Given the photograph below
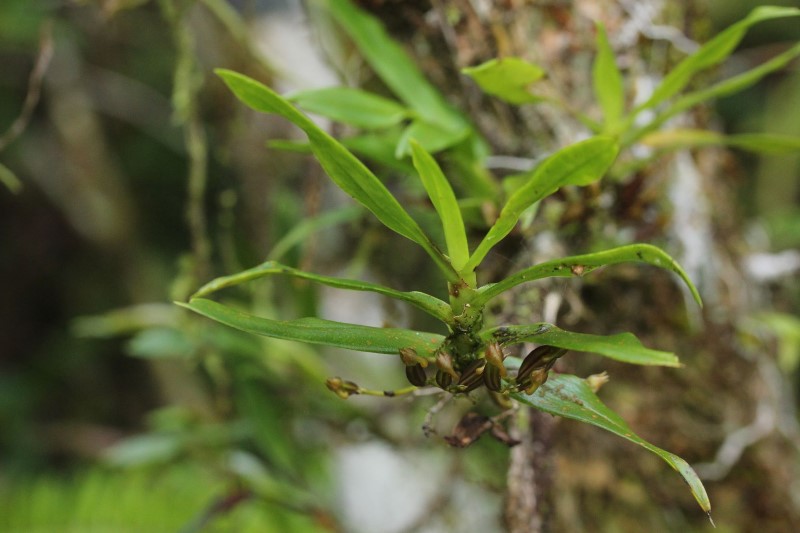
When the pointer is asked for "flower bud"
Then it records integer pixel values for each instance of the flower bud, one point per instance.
(444, 361)
(539, 358)
(533, 381)
(410, 358)
(416, 375)
(595, 381)
(494, 356)
(491, 378)
(471, 377)
(443, 379)
(343, 389)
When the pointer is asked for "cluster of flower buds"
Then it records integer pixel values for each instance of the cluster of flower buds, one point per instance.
(488, 370)
(534, 368)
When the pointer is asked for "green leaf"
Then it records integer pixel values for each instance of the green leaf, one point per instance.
(570, 397)
(623, 347)
(724, 88)
(426, 302)
(507, 78)
(394, 66)
(445, 203)
(607, 82)
(765, 143)
(713, 52)
(579, 265)
(350, 174)
(430, 136)
(308, 226)
(319, 331)
(156, 343)
(380, 147)
(9, 179)
(579, 164)
(351, 106)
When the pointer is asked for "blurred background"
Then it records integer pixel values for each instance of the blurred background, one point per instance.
(130, 176)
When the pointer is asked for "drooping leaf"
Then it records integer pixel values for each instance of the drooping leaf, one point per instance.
(394, 66)
(571, 397)
(624, 347)
(579, 265)
(350, 174)
(445, 203)
(507, 78)
(579, 164)
(426, 302)
(320, 331)
(430, 136)
(765, 143)
(724, 88)
(351, 106)
(713, 52)
(607, 80)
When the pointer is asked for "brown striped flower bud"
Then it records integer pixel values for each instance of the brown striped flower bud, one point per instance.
(471, 377)
(443, 379)
(491, 378)
(539, 358)
(416, 375)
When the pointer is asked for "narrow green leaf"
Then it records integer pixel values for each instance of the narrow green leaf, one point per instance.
(394, 66)
(430, 136)
(426, 302)
(445, 203)
(309, 226)
(351, 106)
(570, 397)
(289, 145)
(380, 147)
(765, 143)
(713, 52)
(319, 331)
(350, 174)
(607, 82)
(507, 78)
(580, 265)
(624, 347)
(377, 146)
(579, 164)
(9, 179)
(724, 88)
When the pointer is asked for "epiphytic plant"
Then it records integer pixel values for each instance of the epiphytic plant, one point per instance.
(471, 354)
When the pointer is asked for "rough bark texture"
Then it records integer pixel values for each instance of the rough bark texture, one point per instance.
(602, 483)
